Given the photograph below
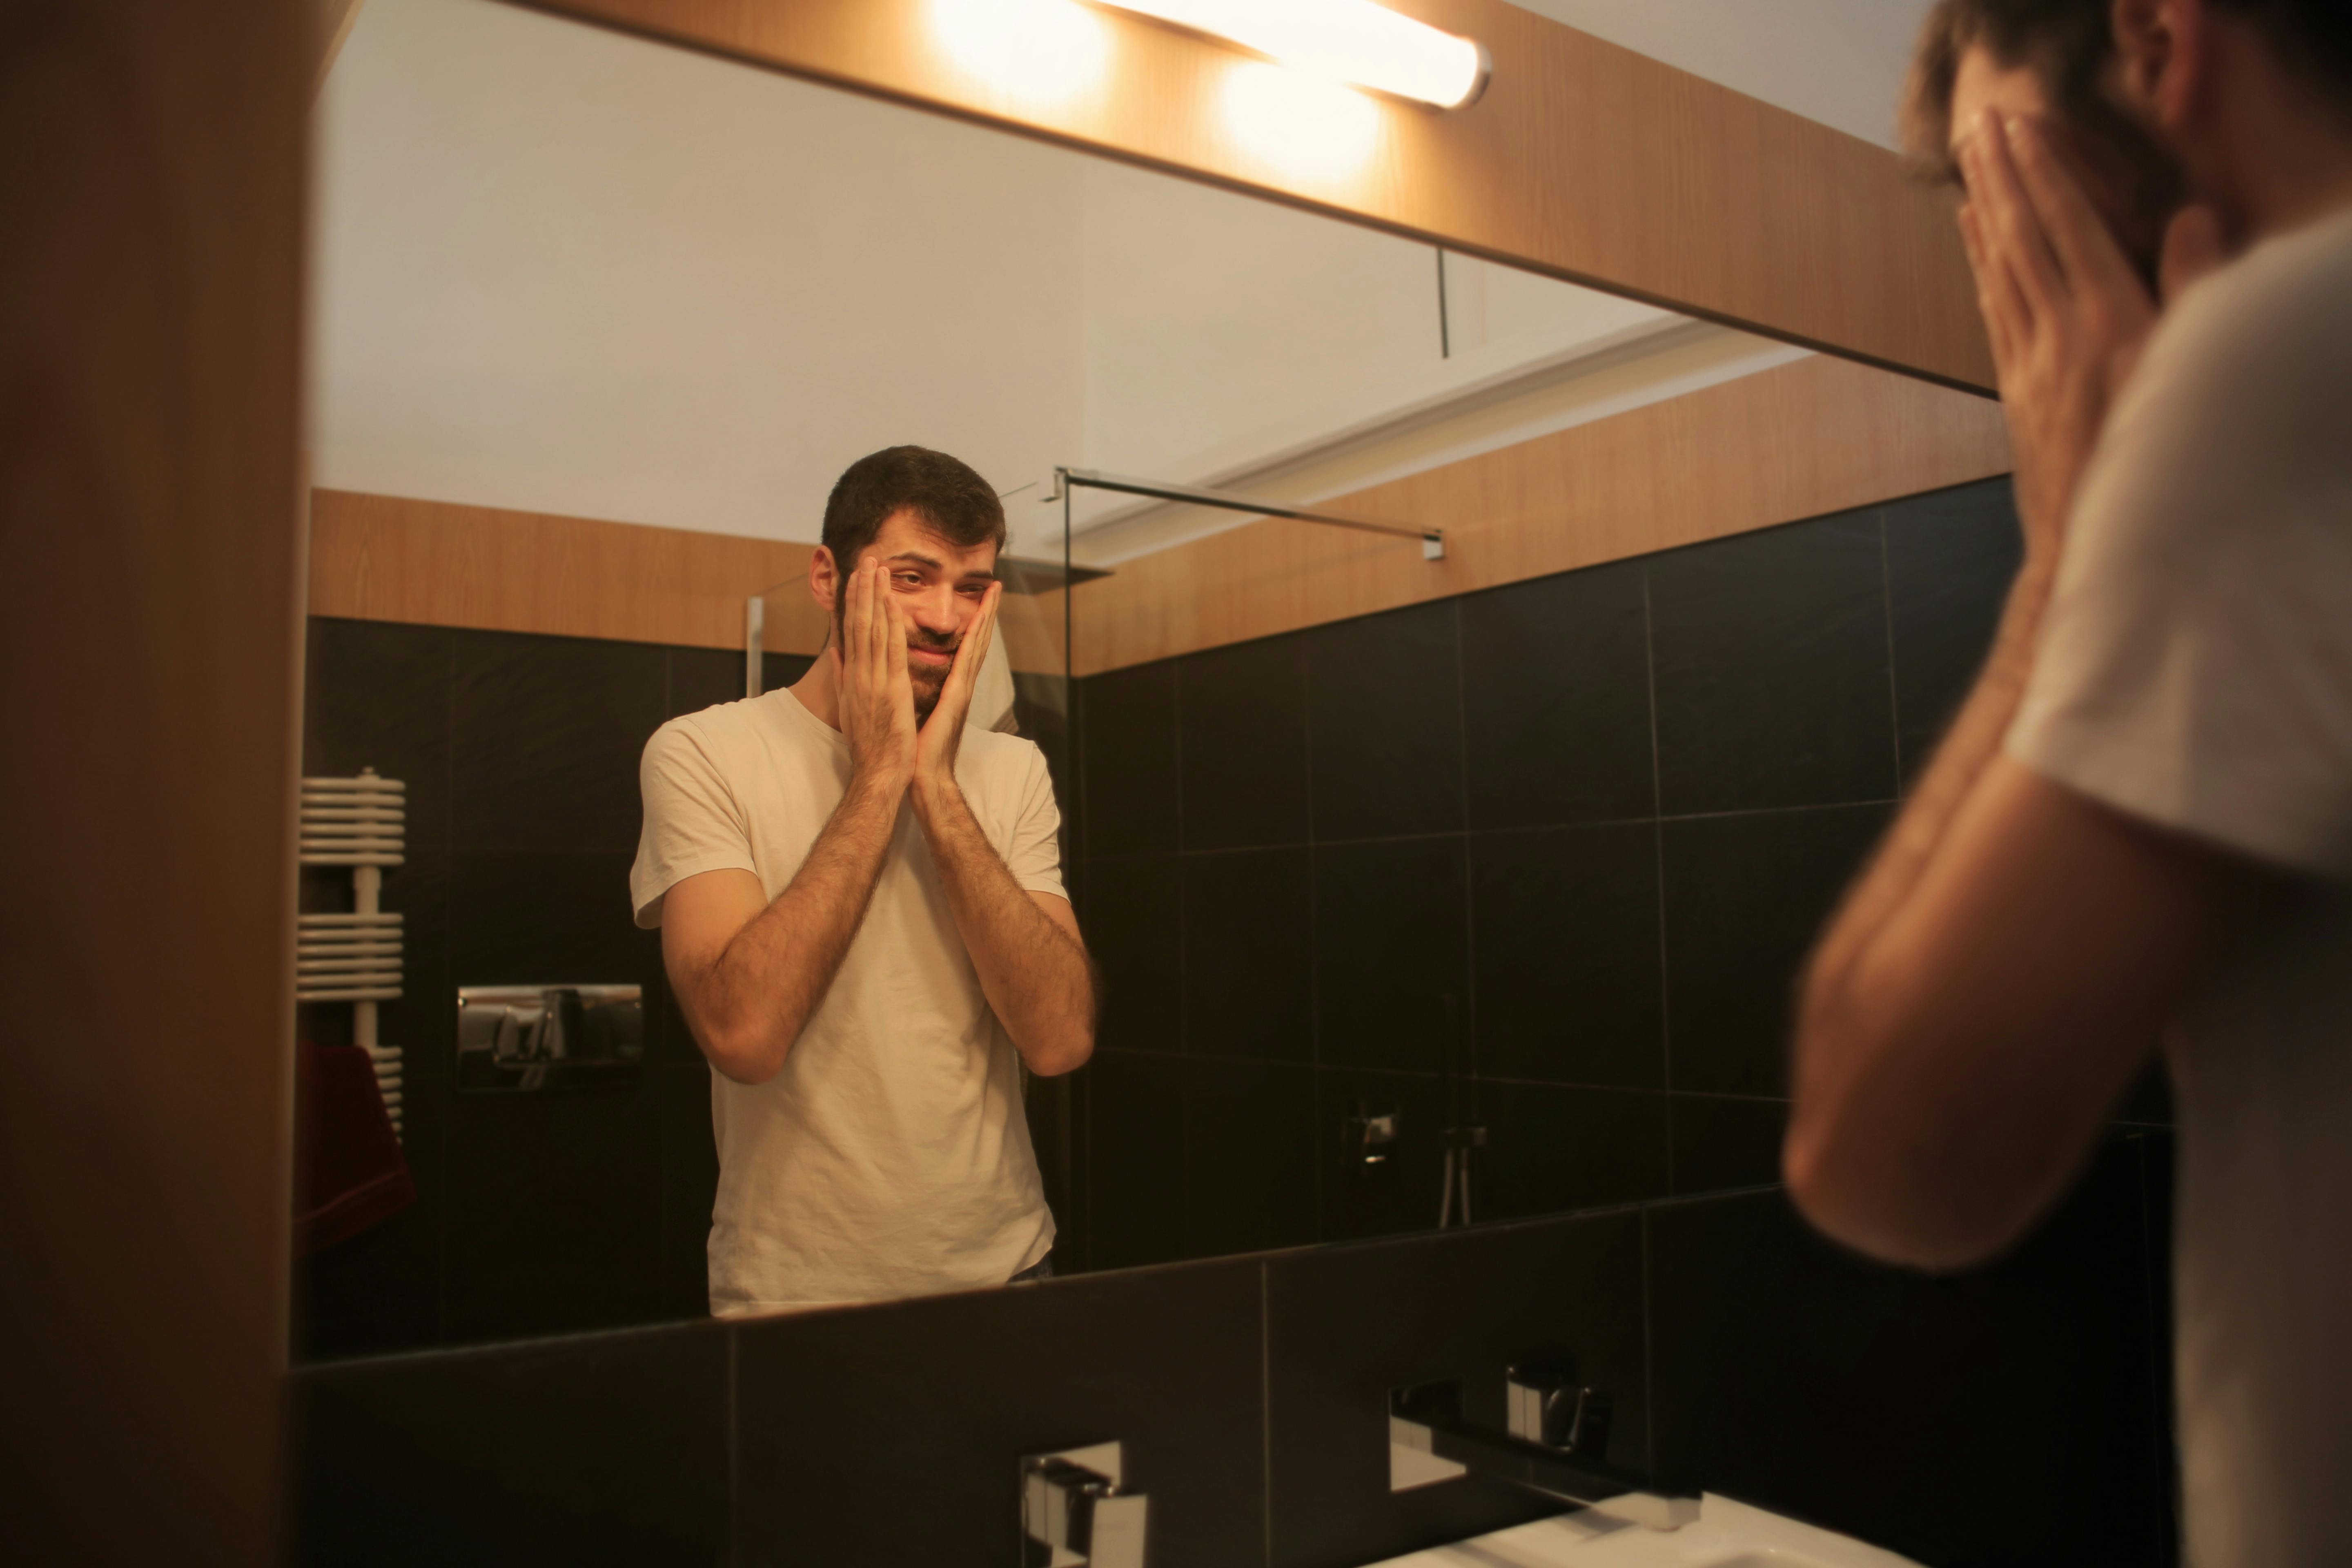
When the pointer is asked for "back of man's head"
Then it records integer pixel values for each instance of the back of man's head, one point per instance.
(2069, 45)
(952, 500)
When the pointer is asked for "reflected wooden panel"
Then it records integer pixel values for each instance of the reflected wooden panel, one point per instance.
(1818, 436)
(395, 558)
(1583, 160)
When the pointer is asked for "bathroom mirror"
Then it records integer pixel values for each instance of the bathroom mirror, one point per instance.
(1422, 890)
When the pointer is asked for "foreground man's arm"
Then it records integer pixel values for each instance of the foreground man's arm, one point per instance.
(1031, 963)
(2003, 967)
(748, 972)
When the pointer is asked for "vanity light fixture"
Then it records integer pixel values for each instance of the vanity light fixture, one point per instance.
(1354, 41)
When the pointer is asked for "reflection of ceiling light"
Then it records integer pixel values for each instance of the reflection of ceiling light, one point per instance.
(1352, 41)
(1037, 51)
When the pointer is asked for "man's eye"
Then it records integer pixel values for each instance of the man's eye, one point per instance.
(908, 580)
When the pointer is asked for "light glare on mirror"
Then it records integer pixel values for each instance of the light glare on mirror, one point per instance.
(1307, 126)
(1038, 51)
(1353, 41)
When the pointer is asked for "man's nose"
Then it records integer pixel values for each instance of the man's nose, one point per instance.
(937, 611)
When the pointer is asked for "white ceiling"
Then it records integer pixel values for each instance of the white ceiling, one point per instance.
(1837, 61)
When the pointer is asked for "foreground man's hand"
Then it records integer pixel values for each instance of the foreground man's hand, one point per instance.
(2067, 315)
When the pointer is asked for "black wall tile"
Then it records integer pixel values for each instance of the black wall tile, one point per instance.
(689, 1187)
(1391, 960)
(1133, 918)
(1128, 738)
(1249, 1157)
(1384, 704)
(1135, 1117)
(604, 1450)
(1249, 954)
(546, 733)
(1550, 1149)
(378, 695)
(703, 678)
(1745, 897)
(1556, 699)
(555, 1223)
(1344, 1325)
(540, 916)
(1722, 1143)
(1244, 744)
(381, 1290)
(1565, 924)
(1892, 1405)
(894, 1435)
(1398, 1194)
(1950, 557)
(1772, 667)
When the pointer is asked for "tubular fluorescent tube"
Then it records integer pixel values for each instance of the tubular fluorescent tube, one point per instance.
(1353, 40)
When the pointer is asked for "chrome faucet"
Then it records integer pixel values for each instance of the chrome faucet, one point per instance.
(1557, 1443)
(1073, 1512)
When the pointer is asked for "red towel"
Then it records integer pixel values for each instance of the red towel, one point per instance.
(348, 1173)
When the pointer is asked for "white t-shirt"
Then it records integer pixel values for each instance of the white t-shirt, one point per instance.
(2195, 671)
(890, 1156)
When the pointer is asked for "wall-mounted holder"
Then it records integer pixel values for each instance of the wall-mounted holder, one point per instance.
(1557, 1443)
(1073, 1512)
(517, 1039)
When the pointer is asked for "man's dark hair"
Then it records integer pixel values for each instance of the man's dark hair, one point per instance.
(952, 500)
(2069, 45)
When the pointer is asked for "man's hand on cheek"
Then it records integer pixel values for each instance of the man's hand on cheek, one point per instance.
(877, 702)
(2066, 314)
(942, 733)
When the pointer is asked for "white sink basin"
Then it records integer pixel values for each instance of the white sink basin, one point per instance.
(1727, 1535)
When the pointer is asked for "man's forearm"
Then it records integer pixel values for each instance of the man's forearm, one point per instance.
(770, 979)
(1910, 846)
(1035, 975)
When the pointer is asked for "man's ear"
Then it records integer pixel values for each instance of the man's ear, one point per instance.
(2160, 51)
(824, 580)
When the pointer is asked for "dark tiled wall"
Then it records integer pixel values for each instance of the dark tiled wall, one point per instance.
(541, 1213)
(1576, 833)
(2010, 1416)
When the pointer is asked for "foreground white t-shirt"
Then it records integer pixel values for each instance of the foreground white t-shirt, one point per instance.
(890, 1156)
(2196, 670)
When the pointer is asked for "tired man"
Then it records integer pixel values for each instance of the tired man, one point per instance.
(861, 916)
(2139, 827)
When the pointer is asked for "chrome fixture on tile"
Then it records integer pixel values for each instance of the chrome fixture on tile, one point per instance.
(516, 1039)
(1073, 1512)
(1372, 1136)
(1555, 1444)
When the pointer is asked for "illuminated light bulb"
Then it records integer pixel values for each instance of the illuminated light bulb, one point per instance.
(1308, 128)
(1039, 51)
(1354, 41)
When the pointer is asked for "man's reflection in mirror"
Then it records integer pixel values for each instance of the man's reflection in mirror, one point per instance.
(862, 915)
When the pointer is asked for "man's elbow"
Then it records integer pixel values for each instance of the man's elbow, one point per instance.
(1066, 1054)
(740, 1055)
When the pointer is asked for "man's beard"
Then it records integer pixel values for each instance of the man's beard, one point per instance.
(927, 681)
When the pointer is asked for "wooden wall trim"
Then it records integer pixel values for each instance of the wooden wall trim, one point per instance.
(1816, 436)
(1583, 160)
(395, 558)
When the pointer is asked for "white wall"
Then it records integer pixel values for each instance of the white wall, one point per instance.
(564, 270)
